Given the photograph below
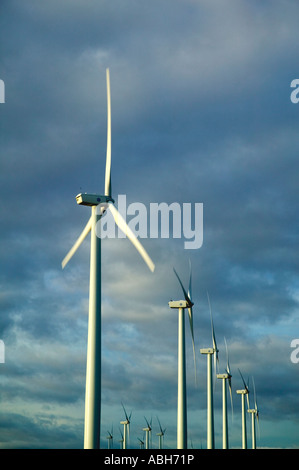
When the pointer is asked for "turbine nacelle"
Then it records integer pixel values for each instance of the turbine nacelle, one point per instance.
(223, 376)
(207, 351)
(242, 392)
(180, 304)
(85, 199)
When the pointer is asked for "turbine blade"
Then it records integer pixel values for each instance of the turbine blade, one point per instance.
(192, 335)
(229, 379)
(245, 387)
(159, 424)
(108, 152)
(183, 289)
(131, 236)
(190, 282)
(254, 394)
(242, 379)
(216, 358)
(147, 422)
(227, 358)
(75, 247)
(127, 418)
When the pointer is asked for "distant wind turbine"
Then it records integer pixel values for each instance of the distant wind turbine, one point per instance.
(181, 305)
(160, 434)
(226, 377)
(210, 408)
(254, 416)
(121, 441)
(98, 204)
(148, 434)
(126, 424)
(141, 443)
(110, 438)
(243, 392)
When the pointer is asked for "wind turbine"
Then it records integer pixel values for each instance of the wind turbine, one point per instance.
(243, 392)
(141, 443)
(148, 433)
(181, 305)
(126, 424)
(226, 377)
(160, 434)
(110, 438)
(98, 204)
(121, 441)
(254, 416)
(210, 408)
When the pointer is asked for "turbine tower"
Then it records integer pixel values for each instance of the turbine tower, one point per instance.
(148, 434)
(181, 305)
(160, 434)
(126, 424)
(226, 377)
(98, 204)
(254, 416)
(243, 392)
(210, 408)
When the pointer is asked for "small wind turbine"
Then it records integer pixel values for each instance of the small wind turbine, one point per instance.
(226, 377)
(110, 438)
(98, 204)
(121, 441)
(254, 416)
(141, 443)
(181, 305)
(160, 434)
(148, 433)
(210, 408)
(126, 424)
(243, 392)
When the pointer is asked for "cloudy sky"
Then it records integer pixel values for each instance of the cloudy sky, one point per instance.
(201, 113)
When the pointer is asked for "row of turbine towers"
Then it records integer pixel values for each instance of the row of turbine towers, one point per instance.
(145, 442)
(99, 204)
(187, 304)
(225, 377)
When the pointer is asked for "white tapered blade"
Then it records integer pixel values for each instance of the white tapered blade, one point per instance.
(108, 153)
(192, 335)
(183, 289)
(131, 236)
(77, 244)
(190, 282)
(216, 358)
(229, 380)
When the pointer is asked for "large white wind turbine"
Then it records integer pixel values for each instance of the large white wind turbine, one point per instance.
(226, 377)
(181, 305)
(210, 408)
(98, 204)
(244, 391)
(254, 416)
(126, 424)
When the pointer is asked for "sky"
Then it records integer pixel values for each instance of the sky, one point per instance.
(201, 113)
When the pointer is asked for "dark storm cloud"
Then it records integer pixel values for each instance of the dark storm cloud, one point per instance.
(201, 112)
